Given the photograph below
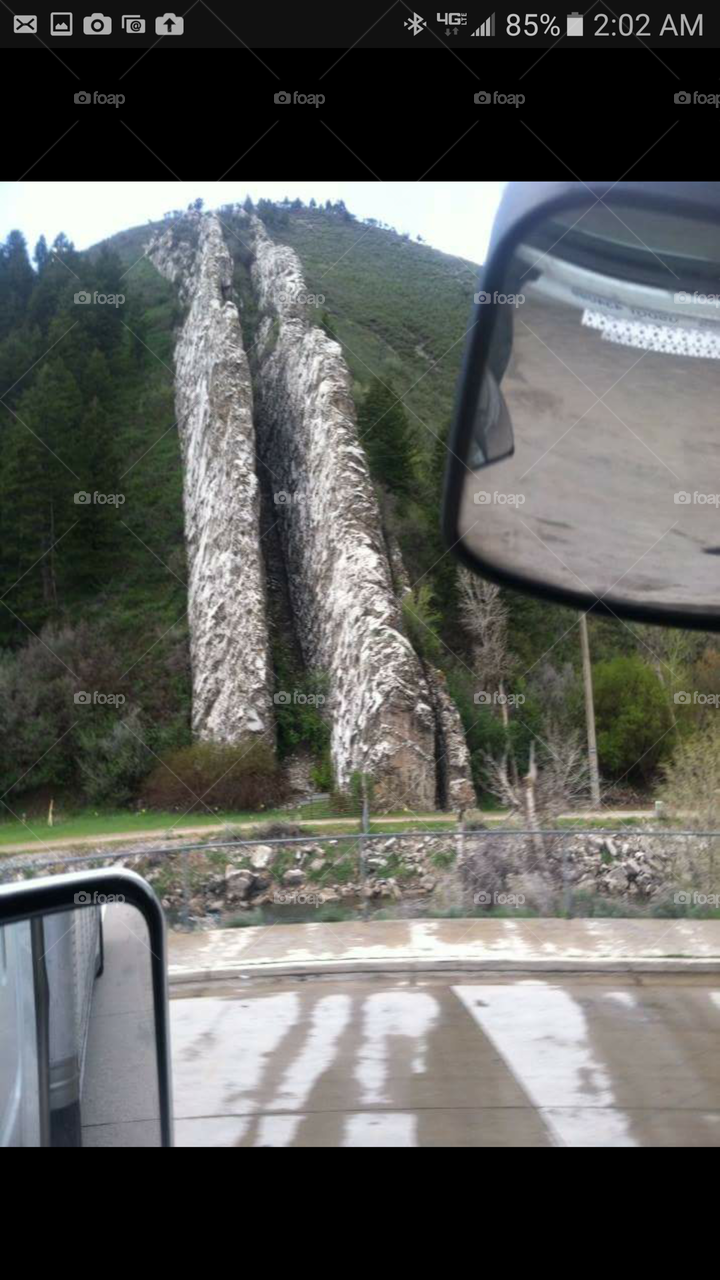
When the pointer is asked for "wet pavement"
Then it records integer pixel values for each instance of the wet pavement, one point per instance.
(416, 945)
(448, 1060)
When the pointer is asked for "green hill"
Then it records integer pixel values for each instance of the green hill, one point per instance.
(94, 596)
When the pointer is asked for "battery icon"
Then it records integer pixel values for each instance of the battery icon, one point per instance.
(574, 24)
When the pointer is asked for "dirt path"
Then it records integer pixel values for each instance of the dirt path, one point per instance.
(50, 844)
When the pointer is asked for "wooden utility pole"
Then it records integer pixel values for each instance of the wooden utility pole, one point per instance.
(589, 712)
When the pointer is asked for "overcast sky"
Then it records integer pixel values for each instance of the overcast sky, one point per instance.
(453, 216)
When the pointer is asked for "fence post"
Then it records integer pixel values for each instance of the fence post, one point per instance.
(567, 891)
(186, 891)
(460, 839)
(364, 830)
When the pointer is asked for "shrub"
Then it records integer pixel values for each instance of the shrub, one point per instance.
(421, 621)
(301, 724)
(36, 716)
(322, 774)
(208, 775)
(342, 804)
(632, 718)
(113, 761)
(692, 778)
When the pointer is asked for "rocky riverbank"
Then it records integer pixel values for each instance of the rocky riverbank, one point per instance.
(413, 874)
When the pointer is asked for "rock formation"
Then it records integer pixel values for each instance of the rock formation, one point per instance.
(213, 396)
(390, 715)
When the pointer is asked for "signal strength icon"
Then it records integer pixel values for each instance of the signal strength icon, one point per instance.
(487, 28)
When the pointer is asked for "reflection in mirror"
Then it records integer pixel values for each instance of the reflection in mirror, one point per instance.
(600, 410)
(78, 1062)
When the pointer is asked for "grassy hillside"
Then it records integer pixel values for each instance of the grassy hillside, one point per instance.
(97, 597)
(400, 308)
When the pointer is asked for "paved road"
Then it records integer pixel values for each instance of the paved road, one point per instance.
(120, 1105)
(609, 1061)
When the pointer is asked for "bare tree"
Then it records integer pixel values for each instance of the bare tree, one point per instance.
(545, 790)
(672, 651)
(484, 615)
(530, 865)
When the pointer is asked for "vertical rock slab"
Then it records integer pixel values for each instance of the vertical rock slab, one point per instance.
(231, 669)
(455, 788)
(346, 612)
(453, 757)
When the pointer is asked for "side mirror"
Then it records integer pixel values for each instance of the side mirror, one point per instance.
(84, 1045)
(585, 452)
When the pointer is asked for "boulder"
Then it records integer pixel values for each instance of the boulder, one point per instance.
(238, 884)
(262, 857)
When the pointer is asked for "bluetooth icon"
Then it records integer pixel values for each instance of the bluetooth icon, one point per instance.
(415, 24)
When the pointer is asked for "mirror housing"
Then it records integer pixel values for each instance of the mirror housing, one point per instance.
(58, 956)
(645, 558)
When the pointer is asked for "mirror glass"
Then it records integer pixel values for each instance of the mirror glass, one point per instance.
(595, 458)
(78, 1060)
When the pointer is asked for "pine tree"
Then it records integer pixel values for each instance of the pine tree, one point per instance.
(387, 438)
(42, 454)
(16, 281)
(41, 255)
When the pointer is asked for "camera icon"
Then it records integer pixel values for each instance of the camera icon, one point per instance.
(482, 899)
(681, 497)
(82, 899)
(97, 25)
(133, 23)
(481, 498)
(682, 97)
(682, 697)
(83, 296)
(483, 96)
(482, 699)
(483, 297)
(282, 698)
(283, 97)
(282, 497)
(81, 498)
(82, 698)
